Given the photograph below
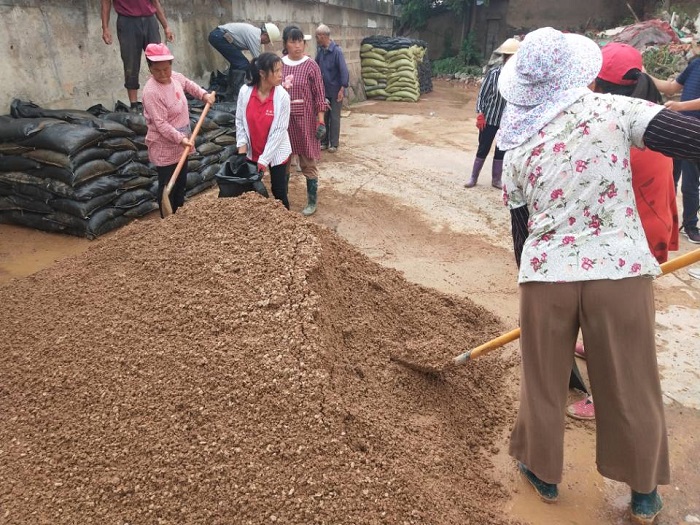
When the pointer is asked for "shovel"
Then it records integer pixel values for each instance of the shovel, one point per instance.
(667, 267)
(165, 206)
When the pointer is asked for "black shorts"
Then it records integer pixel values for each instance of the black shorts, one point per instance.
(134, 34)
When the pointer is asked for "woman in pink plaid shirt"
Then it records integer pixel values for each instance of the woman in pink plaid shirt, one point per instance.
(168, 119)
(308, 108)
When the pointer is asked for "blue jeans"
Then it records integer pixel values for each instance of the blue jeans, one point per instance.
(690, 188)
(230, 52)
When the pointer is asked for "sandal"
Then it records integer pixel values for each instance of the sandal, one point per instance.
(583, 409)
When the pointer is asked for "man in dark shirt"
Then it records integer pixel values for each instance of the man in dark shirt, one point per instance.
(688, 85)
(136, 28)
(334, 71)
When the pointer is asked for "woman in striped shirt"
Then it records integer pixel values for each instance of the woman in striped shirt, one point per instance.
(489, 108)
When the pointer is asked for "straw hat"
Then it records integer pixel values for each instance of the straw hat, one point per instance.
(509, 47)
(548, 63)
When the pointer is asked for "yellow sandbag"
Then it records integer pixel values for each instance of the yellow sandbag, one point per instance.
(369, 81)
(375, 56)
(377, 93)
(371, 62)
(403, 96)
(373, 75)
(394, 52)
(404, 62)
(366, 47)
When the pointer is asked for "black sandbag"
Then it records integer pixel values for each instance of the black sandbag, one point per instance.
(133, 121)
(26, 190)
(12, 148)
(118, 144)
(90, 189)
(17, 163)
(21, 177)
(17, 129)
(38, 221)
(83, 209)
(200, 188)
(89, 154)
(132, 198)
(98, 110)
(227, 153)
(237, 176)
(228, 107)
(65, 138)
(225, 140)
(107, 226)
(47, 171)
(142, 156)
(208, 161)
(20, 108)
(139, 142)
(207, 125)
(17, 202)
(91, 170)
(136, 168)
(112, 128)
(210, 172)
(142, 209)
(50, 157)
(193, 179)
(137, 182)
(121, 158)
(194, 164)
(222, 118)
(211, 135)
(209, 148)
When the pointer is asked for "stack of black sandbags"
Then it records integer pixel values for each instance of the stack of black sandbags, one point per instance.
(87, 172)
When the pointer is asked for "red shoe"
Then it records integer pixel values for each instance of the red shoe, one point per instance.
(584, 409)
(580, 351)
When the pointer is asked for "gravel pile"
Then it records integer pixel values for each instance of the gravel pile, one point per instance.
(231, 365)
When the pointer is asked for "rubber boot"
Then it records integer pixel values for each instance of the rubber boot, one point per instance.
(496, 172)
(476, 169)
(312, 194)
(235, 80)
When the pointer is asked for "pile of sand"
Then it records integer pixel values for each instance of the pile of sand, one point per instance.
(231, 365)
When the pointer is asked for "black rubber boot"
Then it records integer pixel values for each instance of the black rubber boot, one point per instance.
(312, 194)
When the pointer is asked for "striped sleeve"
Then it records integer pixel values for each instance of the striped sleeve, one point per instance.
(518, 223)
(674, 134)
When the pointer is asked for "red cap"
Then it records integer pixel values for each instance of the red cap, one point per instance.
(158, 53)
(618, 60)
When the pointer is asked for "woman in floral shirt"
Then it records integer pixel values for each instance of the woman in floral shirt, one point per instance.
(585, 261)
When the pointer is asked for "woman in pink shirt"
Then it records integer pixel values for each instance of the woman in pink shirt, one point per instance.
(168, 119)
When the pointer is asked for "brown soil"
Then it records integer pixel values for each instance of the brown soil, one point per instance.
(232, 364)
(394, 192)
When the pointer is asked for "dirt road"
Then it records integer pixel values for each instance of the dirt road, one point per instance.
(394, 190)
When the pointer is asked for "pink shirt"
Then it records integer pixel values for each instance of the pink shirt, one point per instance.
(168, 117)
(134, 7)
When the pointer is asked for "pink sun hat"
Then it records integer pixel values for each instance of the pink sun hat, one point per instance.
(547, 63)
(158, 53)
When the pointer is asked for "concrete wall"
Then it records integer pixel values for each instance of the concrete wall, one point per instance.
(52, 52)
(574, 15)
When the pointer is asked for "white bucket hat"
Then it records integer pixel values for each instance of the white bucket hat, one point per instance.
(548, 63)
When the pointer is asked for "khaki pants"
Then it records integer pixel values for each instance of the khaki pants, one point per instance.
(617, 321)
(309, 167)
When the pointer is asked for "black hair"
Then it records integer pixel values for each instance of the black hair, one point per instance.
(265, 62)
(293, 33)
(643, 88)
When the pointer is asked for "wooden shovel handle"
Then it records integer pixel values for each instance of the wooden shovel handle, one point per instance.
(186, 153)
(668, 267)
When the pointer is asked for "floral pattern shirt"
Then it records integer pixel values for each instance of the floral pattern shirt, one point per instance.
(575, 178)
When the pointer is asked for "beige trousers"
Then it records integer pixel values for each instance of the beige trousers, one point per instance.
(617, 321)
(309, 167)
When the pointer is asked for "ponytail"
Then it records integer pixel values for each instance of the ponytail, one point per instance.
(265, 62)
